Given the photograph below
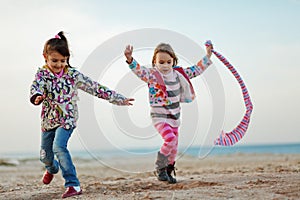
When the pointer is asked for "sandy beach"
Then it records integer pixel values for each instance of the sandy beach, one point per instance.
(238, 176)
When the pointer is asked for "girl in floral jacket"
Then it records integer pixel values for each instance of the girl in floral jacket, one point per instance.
(169, 85)
(55, 86)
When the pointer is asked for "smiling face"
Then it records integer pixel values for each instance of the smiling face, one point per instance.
(164, 62)
(56, 62)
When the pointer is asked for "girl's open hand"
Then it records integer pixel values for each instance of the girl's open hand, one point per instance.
(128, 53)
(127, 102)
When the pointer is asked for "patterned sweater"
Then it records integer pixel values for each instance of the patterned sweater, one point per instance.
(165, 97)
(59, 108)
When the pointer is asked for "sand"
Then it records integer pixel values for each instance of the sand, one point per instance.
(237, 176)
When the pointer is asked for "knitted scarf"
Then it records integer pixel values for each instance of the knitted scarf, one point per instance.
(230, 138)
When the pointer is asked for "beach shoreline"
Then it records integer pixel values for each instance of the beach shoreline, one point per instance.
(235, 176)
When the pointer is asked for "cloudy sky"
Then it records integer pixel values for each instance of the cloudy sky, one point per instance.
(261, 38)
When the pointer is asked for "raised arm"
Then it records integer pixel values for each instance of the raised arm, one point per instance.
(201, 66)
(142, 72)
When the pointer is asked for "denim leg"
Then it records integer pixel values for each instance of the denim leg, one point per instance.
(46, 152)
(64, 158)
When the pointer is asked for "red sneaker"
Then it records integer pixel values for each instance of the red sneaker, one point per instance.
(71, 192)
(47, 178)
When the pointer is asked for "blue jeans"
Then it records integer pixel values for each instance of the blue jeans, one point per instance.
(54, 142)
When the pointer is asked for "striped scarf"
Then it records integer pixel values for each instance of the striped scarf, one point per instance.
(230, 138)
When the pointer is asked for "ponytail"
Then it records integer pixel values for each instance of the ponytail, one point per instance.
(60, 44)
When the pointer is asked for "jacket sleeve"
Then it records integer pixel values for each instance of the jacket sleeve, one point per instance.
(141, 71)
(96, 89)
(37, 87)
(199, 68)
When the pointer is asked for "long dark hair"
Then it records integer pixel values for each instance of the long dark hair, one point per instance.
(59, 44)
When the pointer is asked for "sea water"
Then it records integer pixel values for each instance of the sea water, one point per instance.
(196, 151)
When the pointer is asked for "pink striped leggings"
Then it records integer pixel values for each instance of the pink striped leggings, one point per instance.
(170, 136)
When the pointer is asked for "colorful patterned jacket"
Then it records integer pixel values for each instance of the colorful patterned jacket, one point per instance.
(157, 90)
(59, 108)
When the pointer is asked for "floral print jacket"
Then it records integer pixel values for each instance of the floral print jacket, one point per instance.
(59, 107)
(157, 94)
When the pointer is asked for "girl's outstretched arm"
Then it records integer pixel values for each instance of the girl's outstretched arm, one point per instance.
(96, 89)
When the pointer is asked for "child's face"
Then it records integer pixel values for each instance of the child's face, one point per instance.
(55, 61)
(164, 62)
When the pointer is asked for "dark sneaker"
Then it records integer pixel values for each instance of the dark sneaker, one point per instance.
(71, 192)
(170, 169)
(171, 179)
(162, 174)
(47, 177)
